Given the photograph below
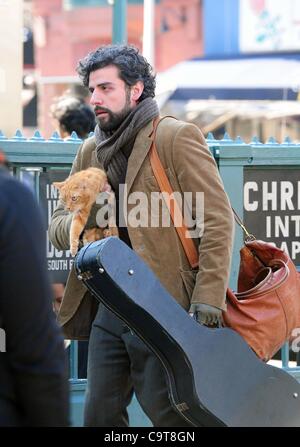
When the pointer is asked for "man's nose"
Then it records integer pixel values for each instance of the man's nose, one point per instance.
(95, 98)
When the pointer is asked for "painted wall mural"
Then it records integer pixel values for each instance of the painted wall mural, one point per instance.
(269, 25)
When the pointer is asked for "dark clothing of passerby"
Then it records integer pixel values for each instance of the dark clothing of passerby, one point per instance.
(33, 373)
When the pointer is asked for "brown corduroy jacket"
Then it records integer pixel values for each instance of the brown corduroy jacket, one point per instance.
(190, 167)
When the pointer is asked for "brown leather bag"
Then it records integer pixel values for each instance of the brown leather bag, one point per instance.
(266, 308)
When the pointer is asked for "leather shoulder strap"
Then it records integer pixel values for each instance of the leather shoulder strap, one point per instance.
(174, 210)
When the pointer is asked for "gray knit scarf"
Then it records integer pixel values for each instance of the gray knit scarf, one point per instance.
(113, 150)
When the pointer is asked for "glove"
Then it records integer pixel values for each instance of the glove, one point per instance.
(91, 222)
(96, 220)
(206, 314)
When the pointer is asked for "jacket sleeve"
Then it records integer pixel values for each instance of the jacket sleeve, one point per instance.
(59, 228)
(197, 171)
(34, 343)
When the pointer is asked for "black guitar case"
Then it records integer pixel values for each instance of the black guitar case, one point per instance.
(214, 378)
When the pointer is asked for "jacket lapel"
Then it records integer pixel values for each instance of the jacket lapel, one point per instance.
(94, 161)
(139, 152)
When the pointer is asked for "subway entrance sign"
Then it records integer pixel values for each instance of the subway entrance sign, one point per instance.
(272, 207)
(59, 262)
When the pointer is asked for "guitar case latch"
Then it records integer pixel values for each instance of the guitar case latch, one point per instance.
(182, 407)
(85, 275)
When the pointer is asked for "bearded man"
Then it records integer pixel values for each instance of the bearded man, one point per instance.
(122, 88)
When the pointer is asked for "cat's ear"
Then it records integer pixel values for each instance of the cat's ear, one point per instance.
(58, 185)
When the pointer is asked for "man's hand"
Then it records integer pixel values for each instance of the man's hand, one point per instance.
(94, 219)
(206, 314)
(107, 204)
(91, 222)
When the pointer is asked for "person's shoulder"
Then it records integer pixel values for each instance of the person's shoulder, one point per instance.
(12, 189)
(8, 182)
(174, 123)
(169, 126)
(171, 121)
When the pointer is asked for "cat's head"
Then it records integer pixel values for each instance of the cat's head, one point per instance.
(74, 196)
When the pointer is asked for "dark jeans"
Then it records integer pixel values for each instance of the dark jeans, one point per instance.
(119, 363)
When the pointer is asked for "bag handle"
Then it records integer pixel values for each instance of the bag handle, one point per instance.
(249, 237)
(174, 210)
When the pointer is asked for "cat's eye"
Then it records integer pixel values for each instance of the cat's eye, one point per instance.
(74, 198)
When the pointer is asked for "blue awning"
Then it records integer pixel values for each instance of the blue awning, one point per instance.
(185, 94)
(253, 79)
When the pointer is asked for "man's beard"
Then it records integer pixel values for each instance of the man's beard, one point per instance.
(114, 119)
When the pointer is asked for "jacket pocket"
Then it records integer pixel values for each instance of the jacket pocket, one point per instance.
(79, 326)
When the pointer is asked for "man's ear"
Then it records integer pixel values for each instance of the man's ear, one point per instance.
(136, 91)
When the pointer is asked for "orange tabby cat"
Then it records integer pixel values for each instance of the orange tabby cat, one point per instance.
(79, 193)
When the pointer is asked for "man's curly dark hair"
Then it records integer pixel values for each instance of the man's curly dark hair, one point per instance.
(133, 67)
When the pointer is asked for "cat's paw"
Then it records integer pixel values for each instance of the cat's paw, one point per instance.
(112, 231)
(74, 248)
(91, 235)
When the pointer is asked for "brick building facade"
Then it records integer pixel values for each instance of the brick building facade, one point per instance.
(64, 34)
